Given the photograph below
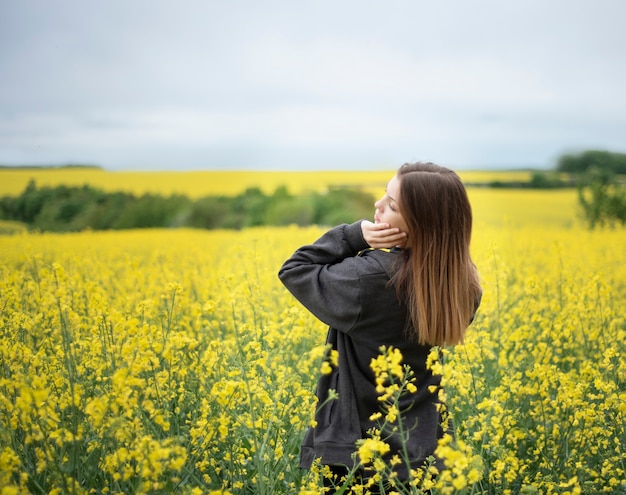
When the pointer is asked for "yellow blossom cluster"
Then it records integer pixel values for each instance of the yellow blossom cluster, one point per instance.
(371, 448)
(462, 467)
(388, 372)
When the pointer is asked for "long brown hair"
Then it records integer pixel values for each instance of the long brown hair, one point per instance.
(437, 280)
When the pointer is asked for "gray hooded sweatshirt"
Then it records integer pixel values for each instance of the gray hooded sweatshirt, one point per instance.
(346, 285)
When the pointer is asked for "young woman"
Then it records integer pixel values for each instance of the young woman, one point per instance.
(405, 281)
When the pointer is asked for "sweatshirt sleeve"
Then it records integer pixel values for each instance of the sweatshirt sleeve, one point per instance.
(324, 276)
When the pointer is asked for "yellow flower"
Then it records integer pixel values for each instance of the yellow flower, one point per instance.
(388, 363)
(326, 369)
(371, 448)
(392, 413)
(376, 416)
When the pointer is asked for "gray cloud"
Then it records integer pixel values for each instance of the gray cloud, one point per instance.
(278, 84)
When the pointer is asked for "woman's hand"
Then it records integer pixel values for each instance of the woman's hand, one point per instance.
(382, 235)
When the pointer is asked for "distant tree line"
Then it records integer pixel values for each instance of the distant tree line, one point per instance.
(64, 208)
(48, 167)
(538, 180)
(607, 161)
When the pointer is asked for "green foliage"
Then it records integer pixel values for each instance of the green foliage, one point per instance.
(64, 208)
(538, 180)
(9, 227)
(289, 210)
(610, 162)
(601, 194)
(541, 180)
(339, 203)
(602, 198)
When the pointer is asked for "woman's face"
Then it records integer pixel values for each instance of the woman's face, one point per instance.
(387, 207)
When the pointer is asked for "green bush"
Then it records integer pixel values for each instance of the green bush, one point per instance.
(291, 211)
(342, 205)
(602, 198)
(64, 208)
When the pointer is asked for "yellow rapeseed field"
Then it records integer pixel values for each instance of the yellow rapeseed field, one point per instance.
(196, 184)
(173, 361)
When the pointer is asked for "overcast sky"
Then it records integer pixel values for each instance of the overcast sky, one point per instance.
(288, 84)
